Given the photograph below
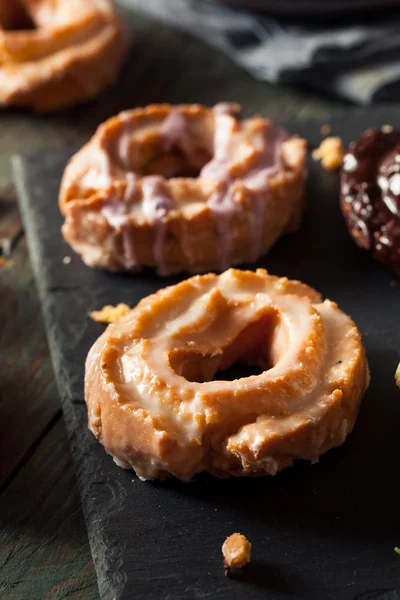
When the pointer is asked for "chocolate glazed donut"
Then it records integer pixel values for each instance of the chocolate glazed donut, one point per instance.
(370, 193)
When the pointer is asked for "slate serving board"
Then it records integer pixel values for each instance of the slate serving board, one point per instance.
(326, 531)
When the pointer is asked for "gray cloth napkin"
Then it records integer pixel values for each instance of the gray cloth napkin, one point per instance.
(358, 60)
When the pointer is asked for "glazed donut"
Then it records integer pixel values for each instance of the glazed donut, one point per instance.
(182, 188)
(370, 193)
(55, 53)
(156, 402)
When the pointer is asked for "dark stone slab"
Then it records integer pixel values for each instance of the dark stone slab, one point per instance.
(325, 531)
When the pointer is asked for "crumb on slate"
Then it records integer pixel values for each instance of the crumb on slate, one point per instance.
(109, 314)
(330, 153)
(236, 551)
(387, 128)
(397, 375)
(325, 129)
(66, 260)
(397, 550)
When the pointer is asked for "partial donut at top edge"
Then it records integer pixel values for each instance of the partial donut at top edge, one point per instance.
(56, 54)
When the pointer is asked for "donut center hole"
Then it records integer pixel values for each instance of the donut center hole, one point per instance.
(176, 163)
(15, 17)
(250, 353)
(149, 151)
(238, 370)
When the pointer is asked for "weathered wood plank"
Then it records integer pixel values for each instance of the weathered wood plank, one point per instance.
(28, 397)
(44, 551)
(42, 554)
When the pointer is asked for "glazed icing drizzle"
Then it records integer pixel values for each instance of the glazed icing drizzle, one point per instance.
(174, 129)
(257, 180)
(222, 202)
(117, 215)
(156, 203)
(116, 212)
(124, 143)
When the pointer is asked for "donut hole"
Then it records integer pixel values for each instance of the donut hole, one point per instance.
(148, 153)
(239, 370)
(250, 353)
(177, 163)
(15, 17)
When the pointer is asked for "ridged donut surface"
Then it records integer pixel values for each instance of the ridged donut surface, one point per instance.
(156, 394)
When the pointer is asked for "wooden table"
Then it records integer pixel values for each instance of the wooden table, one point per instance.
(44, 551)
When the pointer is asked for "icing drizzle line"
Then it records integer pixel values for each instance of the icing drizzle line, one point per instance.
(117, 215)
(156, 205)
(222, 201)
(258, 180)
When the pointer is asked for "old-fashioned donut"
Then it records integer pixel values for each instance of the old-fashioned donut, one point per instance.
(370, 193)
(182, 188)
(156, 394)
(55, 53)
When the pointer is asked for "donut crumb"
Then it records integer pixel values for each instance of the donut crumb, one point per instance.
(387, 128)
(397, 550)
(236, 551)
(109, 313)
(331, 153)
(325, 129)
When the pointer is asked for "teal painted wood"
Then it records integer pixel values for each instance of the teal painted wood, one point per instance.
(44, 551)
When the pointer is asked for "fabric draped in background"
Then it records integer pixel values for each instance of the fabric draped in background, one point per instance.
(358, 60)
